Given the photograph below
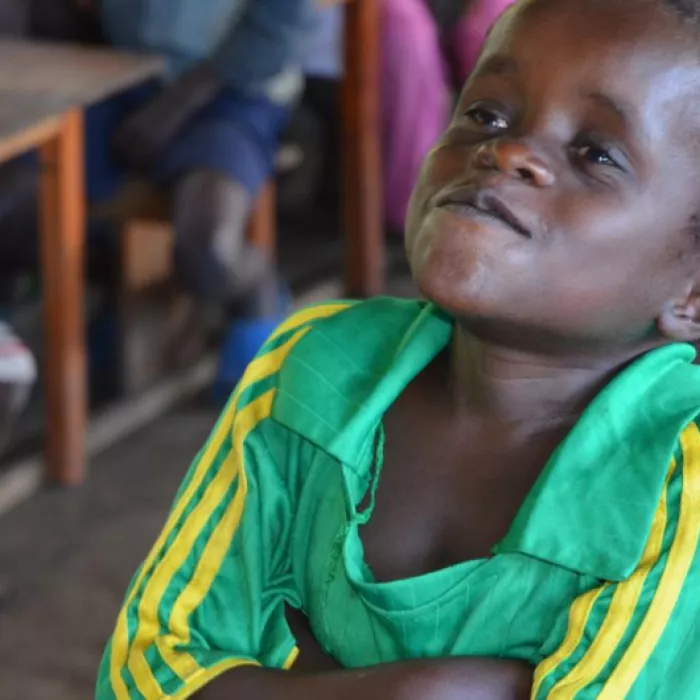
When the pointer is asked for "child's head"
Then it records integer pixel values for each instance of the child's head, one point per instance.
(562, 206)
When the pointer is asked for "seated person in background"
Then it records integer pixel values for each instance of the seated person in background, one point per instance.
(494, 493)
(428, 48)
(210, 135)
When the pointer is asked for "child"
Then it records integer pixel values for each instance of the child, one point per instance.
(496, 493)
(428, 46)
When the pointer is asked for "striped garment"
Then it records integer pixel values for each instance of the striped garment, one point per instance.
(595, 584)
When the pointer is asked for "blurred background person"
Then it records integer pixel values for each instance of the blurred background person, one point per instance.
(209, 135)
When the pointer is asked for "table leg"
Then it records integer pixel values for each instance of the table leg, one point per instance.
(262, 227)
(361, 143)
(62, 217)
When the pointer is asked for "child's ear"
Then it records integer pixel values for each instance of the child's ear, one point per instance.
(680, 320)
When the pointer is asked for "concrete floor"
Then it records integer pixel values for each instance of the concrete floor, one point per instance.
(66, 558)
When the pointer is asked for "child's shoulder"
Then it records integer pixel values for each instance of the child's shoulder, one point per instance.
(348, 328)
(327, 340)
(350, 311)
(330, 368)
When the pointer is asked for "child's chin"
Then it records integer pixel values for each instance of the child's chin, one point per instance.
(464, 293)
(464, 269)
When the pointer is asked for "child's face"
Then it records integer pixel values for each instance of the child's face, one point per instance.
(560, 202)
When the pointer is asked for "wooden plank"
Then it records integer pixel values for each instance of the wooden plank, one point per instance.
(146, 253)
(363, 218)
(24, 121)
(40, 82)
(68, 75)
(24, 140)
(62, 217)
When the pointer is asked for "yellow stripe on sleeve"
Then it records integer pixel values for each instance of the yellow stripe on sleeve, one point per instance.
(305, 316)
(680, 559)
(218, 545)
(619, 614)
(148, 623)
(261, 368)
(205, 676)
(120, 642)
(578, 619)
(182, 660)
(209, 674)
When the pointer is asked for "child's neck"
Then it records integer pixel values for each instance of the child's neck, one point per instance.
(525, 391)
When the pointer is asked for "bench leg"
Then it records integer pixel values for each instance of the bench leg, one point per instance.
(62, 216)
(361, 143)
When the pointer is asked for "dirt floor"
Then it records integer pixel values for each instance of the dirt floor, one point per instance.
(66, 558)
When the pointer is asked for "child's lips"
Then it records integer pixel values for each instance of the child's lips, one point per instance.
(469, 200)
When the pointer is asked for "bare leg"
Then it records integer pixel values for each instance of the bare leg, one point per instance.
(216, 263)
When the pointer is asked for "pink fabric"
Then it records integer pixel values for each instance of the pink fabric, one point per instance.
(467, 38)
(415, 88)
(415, 98)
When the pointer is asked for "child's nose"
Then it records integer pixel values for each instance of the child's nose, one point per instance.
(517, 159)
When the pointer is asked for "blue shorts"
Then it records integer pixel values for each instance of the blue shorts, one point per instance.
(235, 134)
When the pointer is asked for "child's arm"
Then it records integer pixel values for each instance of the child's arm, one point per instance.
(210, 601)
(440, 679)
(638, 638)
(424, 680)
(211, 595)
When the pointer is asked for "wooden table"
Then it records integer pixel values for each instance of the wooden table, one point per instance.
(44, 89)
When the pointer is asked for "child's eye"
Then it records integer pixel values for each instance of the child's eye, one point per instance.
(595, 155)
(483, 116)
